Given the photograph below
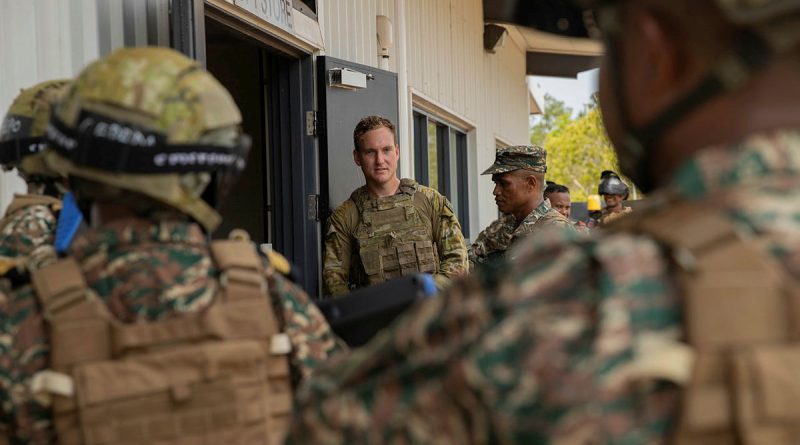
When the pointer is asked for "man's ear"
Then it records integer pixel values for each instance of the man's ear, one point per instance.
(532, 182)
(356, 157)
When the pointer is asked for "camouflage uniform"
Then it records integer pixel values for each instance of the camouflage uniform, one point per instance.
(29, 230)
(342, 265)
(505, 232)
(143, 270)
(494, 240)
(541, 355)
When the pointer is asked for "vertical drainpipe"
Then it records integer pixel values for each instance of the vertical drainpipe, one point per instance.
(404, 124)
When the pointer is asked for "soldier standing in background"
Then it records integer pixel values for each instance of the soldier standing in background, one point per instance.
(559, 198)
(27, 230)
(147, 333)
(389, 227)
(677, 324)
(518, 175)
(614, 192)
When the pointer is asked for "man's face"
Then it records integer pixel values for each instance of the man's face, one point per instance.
(377, 156)
(561, 202)
(613, 201)
(511, 191)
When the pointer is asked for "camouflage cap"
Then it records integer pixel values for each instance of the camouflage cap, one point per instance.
(528, 157)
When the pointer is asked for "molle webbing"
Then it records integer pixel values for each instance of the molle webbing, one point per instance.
(213, 376)
(395, 236)
(742, 315)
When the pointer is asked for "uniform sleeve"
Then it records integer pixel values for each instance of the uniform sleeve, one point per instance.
(453, 260)
(337, 255)
(522, 362)
(313, 341)
(24, 351)
(490, 240)
(27, 230)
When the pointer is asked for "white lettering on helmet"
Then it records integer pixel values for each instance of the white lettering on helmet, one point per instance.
(61, 139)
(196, 158)
(11, 125)
(124, 134)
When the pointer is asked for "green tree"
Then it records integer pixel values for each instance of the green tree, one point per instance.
(555, 114)
(577, 149)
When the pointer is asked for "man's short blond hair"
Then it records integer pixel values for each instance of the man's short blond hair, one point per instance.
(370, 123)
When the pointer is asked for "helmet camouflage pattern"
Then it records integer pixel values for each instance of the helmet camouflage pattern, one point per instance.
(22, 134)
(150, 121)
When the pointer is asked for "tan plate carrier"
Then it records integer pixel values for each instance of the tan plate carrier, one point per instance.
(742, 321)
(218, 376)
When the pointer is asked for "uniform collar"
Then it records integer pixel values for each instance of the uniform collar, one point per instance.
(532, 217)
(135, 231)
(775, 153)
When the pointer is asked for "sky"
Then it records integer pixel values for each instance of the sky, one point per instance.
(575, 93)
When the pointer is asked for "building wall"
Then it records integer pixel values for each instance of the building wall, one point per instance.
(446, 64)
(47, 39)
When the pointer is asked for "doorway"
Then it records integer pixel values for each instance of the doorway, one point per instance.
(270, 200)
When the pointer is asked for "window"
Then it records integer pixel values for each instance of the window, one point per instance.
(307, 7)
(440, 162)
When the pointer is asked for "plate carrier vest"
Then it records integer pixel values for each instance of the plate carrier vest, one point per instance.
(394, 235)
(220, 375)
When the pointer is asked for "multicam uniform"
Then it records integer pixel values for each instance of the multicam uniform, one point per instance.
(545, 356)
(504, 232)
(142, 271)
(373, 239)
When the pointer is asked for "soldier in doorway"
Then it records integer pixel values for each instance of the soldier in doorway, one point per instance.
(389, 227)
(677, 324)
(147, 332)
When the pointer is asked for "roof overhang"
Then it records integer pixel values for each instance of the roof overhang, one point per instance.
(551, 55)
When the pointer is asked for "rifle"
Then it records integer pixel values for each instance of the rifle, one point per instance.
(359, 315)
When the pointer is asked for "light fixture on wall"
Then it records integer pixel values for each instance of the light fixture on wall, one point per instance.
(494, 36)
(385, 40)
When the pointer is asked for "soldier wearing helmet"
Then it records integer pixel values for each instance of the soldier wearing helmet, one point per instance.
(677, 324)
(614, 192)
(27, 229)
(519, 184)
(147, 332)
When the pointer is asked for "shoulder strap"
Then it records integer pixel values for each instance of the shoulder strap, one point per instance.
(79, 321)
(22, 201)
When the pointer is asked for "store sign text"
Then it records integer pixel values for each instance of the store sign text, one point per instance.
(276, 12)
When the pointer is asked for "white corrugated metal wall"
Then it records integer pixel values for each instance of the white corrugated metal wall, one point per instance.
(448, 65)
(49, 39)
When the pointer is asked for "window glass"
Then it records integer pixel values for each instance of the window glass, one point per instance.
(433, 156)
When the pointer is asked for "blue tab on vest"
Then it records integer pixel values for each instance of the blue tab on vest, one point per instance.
(69, 221)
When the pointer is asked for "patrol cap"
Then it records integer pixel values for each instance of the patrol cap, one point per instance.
(528, 157)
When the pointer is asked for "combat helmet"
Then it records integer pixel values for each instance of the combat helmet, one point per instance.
(148, 122)
(611, 184)
(22, 134)
(764, 30)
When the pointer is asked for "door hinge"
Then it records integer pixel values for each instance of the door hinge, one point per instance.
(311, 123)
(312, 203)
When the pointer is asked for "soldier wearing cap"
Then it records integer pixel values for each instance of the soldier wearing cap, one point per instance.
(677, 324)
(518, 174)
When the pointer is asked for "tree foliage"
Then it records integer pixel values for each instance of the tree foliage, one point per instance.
(578, 148)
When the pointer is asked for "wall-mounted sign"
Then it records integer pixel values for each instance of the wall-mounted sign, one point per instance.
(277, 12)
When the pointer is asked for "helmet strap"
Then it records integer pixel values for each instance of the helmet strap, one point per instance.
(749, 54)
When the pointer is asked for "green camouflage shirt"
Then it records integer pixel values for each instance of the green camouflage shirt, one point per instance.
(143, 271)
(28, 229)
(342, 267)
(504, 232)
(540, 355)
